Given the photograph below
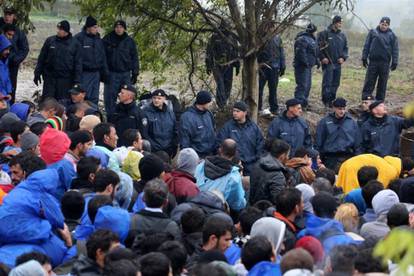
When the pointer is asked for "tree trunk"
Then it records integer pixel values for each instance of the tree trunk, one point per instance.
(251, 85)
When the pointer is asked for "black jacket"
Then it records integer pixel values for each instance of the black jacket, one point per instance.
(20, 46)
(159, 126)
(93, 52)
(273, 53)
(121, 53)
(306, 50)
(146, 222)
(220, 52)
(332, 45)
(85, 267)
(267, 180)
(381, 46)
(126, 116)
(60, 58)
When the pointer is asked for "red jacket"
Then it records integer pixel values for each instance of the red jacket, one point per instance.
(182, 185)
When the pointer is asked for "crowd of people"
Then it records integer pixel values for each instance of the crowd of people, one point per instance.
(149, 190)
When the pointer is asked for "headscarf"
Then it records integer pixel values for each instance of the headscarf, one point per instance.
(307, 194)
(273, 229)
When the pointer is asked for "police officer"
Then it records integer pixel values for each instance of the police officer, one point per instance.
(380, 54)
(337, 136)
(59, 63)
(94, 65)
(122, 59)
(159, 124)
(333, 52)
(305, 58)
(126, 113)
(20, 46)
(271, 65)
(197, 128)
(381, 132)
(221, 58)
(247, 135)
(365, 113)
(291, 127)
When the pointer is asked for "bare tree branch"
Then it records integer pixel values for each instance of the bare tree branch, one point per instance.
(237, 19)
(176, 24)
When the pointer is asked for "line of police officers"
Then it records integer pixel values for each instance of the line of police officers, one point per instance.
(329, 49)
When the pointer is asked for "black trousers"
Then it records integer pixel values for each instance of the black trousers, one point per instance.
(13, 71)
(377, 73)
(223, 76)
(57, 88)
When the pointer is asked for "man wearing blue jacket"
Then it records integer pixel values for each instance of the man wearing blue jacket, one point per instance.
(20, 46)
(306, 56)
(94, 66)
(159, 124)
(197, 128)
(333, 52)
(337, 136)
(291, 127)
(380, 54)
(247, 135)
(381, 132)
(271, 65)
(5, 83)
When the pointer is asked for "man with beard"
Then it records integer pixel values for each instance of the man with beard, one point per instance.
(81, 142)
(122, 59)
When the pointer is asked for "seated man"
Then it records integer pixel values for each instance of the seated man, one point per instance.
(30, 217)
(382, 203)
(323, 226)
(152, 219)
(106, 140)
(98, 245)
(220, 173)
(365, 174)
(259, 258)
(388, 168)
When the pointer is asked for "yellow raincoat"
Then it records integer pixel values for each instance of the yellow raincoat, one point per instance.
(388, 168)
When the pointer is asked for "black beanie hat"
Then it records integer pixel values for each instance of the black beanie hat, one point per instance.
(120, 22)
(90, 22)
(339, 102)
(311, 28)
(64, 25)
(150, 167)
(324, 205)
(385, 19)
(9, 27)
(203, 97)
(240, 105)
(336, 19)
(292, 102)
(375, 104)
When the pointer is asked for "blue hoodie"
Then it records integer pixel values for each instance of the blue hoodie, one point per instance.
(115, 219)
(66, 173)
(265, 268)
(30, 214)
(21, 110)
(5, 83)
(330, 232)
